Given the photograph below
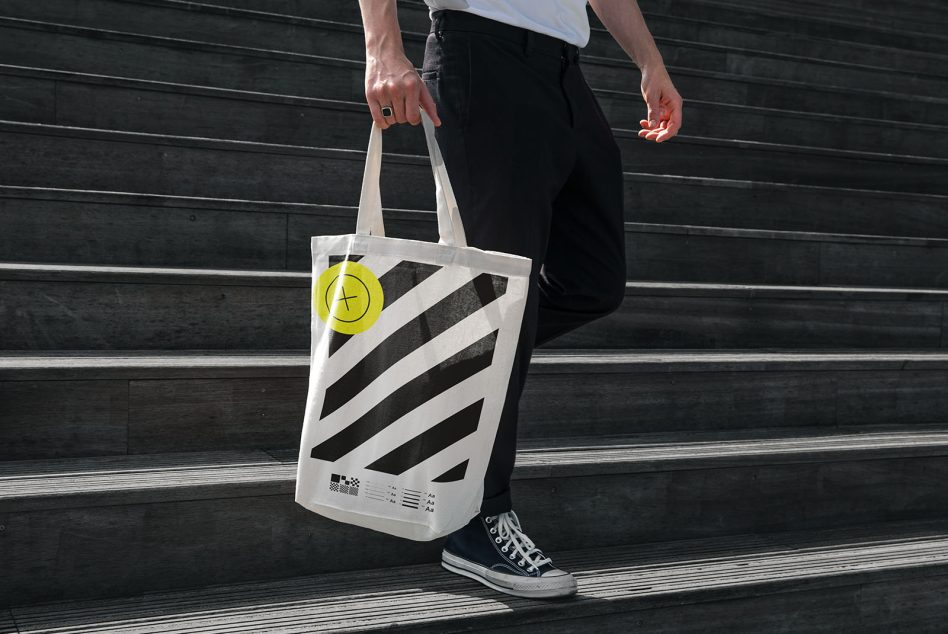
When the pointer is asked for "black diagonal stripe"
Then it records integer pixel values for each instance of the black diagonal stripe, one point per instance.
(454, 474)
(395, 282)
(410, 395)
(419, 330)
(336, 259)
(431, 441)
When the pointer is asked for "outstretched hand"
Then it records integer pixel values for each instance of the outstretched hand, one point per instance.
(664, 105)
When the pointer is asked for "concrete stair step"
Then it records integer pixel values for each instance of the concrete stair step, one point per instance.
(752, 62)
(412, 15)
(83, 158)
(791, 19)
(614, 74)
(896, 5)
(897, 16)
(932, 7)
(181, 512)
(680, 27)
(744, 584)
(136, 308)
(89, 50)
(67, 404)
(886, 577)
(87, 158)
(782, 207)
(169, 18)
(777, 162)
(919, 10)
(677, 253)
(84, 100)
(73, 226)
(720, 316)
(793, 127)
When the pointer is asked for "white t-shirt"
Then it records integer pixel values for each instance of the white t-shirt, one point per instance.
(563, 19)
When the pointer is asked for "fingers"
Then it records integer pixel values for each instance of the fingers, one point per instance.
(654, 106)
(670, 130)
(668, 124)
(405, 96)
(646, 128)
(376, 113)
(376, 97)
(674, 119)
(649, 132)
(396, 97)
(677, 113)
(427, 102)
(653, 133)
(412, 111)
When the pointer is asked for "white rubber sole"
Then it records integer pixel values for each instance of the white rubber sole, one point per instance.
(529, 587)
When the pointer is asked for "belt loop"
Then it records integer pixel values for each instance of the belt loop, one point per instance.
(527, 41)
(446, 20)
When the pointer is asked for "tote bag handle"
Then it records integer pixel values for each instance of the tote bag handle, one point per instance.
(369, 220)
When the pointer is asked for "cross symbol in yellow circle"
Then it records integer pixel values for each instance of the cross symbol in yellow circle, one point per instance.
(348, 297)
(349, 288)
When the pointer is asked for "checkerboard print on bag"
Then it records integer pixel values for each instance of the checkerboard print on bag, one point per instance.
(342, 484)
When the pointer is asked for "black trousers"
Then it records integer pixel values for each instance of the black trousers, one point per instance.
(536, 172)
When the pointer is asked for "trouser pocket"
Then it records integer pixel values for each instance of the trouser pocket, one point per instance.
(446, 71)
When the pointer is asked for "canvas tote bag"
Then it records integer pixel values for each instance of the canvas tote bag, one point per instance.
(411, 352)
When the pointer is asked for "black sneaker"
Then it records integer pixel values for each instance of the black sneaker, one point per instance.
(494, 551)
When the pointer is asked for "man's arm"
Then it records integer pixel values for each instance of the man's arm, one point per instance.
(623, 19)
(390, 77)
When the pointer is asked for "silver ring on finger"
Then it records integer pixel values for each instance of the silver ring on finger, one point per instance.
(387, 111)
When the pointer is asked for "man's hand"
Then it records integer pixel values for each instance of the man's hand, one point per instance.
(623, 19)
(391, 80)
(664, 105)
(390, 77)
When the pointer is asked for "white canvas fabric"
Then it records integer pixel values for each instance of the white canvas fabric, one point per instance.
(411, 352)
(563, 19)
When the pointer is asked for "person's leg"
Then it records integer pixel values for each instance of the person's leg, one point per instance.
(508, 149)
(584, 272)
(520, 152)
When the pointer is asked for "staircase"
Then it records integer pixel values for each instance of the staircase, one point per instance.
(756, 441)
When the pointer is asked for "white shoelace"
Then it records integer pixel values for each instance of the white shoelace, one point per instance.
(505, 529)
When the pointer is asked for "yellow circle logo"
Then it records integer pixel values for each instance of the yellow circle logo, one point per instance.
(348, 297)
